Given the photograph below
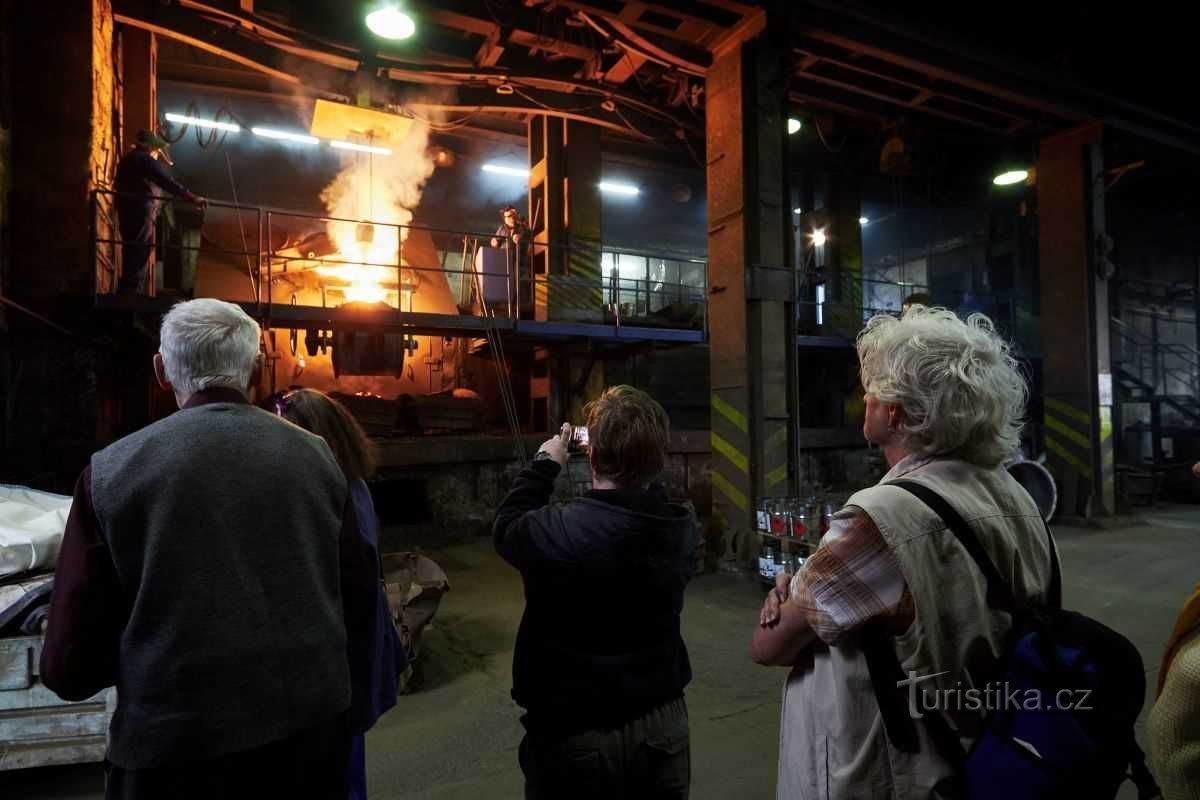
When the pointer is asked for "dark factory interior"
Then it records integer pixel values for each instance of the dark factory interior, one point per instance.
(711, 199)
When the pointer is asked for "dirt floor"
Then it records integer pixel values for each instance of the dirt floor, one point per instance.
(456, 737)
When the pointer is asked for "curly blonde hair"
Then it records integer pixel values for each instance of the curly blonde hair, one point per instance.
(962, 392)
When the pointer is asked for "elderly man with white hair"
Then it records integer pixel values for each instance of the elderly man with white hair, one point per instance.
(945, 401)
(212, 571)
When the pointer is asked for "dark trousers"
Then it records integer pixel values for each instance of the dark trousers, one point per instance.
(309, 764)
(647, 758)
(137, 246)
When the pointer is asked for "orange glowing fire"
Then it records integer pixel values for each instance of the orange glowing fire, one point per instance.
(366, 265)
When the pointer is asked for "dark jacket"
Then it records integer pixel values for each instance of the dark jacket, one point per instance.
(599, 643)
(140, 182)
(386, 656)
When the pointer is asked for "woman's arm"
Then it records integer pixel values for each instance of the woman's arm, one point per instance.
(783, 630)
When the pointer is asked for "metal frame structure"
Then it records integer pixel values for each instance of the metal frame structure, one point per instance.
(262, 260)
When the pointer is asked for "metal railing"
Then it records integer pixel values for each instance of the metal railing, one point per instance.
(285, 252)
(839, 305)
(1170, 369)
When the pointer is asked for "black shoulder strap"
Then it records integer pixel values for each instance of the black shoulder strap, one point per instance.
(880, 655)
(999, 593)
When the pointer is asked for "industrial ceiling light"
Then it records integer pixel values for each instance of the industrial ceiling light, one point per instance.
(793, 125)
(627, 189)
(360, 148)
(797, 210)
(818, 237)
(863, 220)
(286, 136)
(500, 169)
(390, 22)
(1009, 177)
(183, 119)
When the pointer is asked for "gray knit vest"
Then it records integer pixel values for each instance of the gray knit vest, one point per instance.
(223, 523)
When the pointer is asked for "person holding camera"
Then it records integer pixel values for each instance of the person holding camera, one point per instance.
(599, 664)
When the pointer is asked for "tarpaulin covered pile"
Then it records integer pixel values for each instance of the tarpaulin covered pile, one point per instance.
(31, 532)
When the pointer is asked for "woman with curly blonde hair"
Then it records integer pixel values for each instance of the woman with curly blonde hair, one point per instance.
(945, 400)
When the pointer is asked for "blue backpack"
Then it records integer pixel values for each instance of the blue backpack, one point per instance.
(1038, 747)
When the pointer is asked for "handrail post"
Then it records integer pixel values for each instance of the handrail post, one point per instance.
(270, 263)
(258, 248)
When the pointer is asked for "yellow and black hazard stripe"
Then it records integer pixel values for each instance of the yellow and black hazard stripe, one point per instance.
(1068, 435)
(730, 438)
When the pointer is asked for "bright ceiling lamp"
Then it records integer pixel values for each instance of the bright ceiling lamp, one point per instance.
(627, 189)
(793, 125)
(818, 237)
(863, 220)
(286, 136)
(389, 22)
(1009, 177)
(797, 210)
(183, 119)
(360, 148)
(501, 169)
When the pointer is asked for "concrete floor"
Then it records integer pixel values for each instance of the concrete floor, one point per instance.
(457, 736)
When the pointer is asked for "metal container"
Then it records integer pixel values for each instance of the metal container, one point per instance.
(801, 523)
(779, 521)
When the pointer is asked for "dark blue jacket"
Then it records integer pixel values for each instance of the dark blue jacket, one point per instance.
(140, 181)
(599, 643)
(383, 658)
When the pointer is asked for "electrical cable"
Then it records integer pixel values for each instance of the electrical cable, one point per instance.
(254, 288)
(821, 136)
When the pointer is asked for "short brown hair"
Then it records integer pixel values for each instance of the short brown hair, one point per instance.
(628, 433)
(319, 413)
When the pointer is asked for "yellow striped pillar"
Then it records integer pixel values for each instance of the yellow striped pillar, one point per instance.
(751, 327)
(1076, 360)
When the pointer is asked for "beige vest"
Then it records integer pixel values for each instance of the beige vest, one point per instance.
(832, 739)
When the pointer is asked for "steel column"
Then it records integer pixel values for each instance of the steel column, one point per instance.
(751, 333)
(1075, 321)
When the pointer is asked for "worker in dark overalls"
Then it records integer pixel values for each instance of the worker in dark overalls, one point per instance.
(513, 236)
(141, 183)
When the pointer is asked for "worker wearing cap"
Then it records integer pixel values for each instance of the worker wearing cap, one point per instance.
(140, 184)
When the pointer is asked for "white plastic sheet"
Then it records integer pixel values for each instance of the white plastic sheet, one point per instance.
(31, 528)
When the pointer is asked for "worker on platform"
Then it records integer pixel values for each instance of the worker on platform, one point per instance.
(512, 230)
(140, 183)
(212, 570)
(599, 664)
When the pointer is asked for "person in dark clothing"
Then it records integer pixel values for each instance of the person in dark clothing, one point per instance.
(319, 413)
(599, 664)
(512, 230)
(140, 183)
(212, 569)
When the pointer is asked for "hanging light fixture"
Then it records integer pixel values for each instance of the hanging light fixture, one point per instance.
(793, 125)
(389, 22)
(1013, 167)
(1010, 176)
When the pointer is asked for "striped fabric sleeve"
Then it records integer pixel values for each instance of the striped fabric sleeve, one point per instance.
(851, 579)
